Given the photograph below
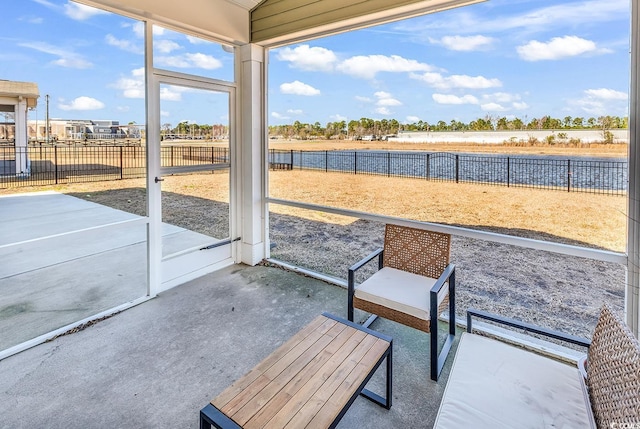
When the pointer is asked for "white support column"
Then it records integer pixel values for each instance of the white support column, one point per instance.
(21, 138)
(252, 154)
(154, 194)
(632, 296)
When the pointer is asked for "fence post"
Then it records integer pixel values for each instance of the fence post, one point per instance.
(326, 161)
(388, 164)
(121, 166)
(508, 171)
(428, 166)
(568, 175)
(55, 163)
(457, 168)
(291, 160)
(170, 155)
(355, 162)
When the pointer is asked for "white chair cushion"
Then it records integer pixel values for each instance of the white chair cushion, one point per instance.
(494, 385)
(401, 291)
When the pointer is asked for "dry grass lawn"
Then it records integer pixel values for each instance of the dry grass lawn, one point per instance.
(574, 218)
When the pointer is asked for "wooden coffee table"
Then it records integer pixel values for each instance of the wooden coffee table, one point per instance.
(309, 381)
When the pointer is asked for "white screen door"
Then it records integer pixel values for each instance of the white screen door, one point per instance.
(194, 177)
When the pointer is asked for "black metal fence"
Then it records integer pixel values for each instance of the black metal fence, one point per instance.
(572, 175)
(69, 164)
(72, 164)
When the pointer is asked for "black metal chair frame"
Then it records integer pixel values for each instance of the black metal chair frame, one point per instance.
(437, 360)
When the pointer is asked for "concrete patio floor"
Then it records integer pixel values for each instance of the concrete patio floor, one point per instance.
(157, 364)
(65, 259)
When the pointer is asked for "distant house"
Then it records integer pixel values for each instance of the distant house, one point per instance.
(82, 129)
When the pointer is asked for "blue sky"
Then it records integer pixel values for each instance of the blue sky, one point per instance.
(513, 58)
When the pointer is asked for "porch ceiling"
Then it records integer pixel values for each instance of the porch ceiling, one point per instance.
(278, 22)
(273, 22)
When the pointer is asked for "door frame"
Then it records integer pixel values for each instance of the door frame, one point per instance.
(222, 255)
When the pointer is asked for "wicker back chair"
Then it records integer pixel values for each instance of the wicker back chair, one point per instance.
(415, 283)
(613, 372)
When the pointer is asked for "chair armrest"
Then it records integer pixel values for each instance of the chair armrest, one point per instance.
(366, 260)
(448, 272)
(584, 342)
(438, 360)
(351, 281)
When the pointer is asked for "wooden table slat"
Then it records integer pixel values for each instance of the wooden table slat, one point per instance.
(232, 391)
(348, 387)
(332, 386)
(301, 397)
(286, 373)
(337, 367)
(302, 378)
(317, 327)
(309, 380)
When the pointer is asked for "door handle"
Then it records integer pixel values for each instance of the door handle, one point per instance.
(158, 180)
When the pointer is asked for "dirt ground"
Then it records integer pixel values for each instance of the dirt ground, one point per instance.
(540, 287)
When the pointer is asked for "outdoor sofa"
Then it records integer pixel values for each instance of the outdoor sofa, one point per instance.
(493, 384)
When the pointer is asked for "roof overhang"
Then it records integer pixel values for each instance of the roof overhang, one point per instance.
(281, 22)
(272, 22)
(10, 90)
(223, 20)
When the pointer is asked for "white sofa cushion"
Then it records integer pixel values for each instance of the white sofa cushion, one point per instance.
(496, 385)
(400, 290)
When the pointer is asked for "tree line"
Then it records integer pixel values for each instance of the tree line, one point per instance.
(386, 127)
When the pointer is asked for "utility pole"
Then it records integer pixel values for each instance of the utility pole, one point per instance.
(46, 124)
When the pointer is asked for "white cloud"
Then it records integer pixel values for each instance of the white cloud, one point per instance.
(166, 46)
(464, 43)
(81, 103)
(308, 58)
(557, 48)
(412, 119)
(197, 60)
(298, 88)
(68, 59)
(501, 97)
(454, 99)
(385, 99)
(132, 86)
(204, 61)
(520, 105)
(389, 102)
(125, 45)
(363, 99)
(382, 111)
(367, 67)
(492, 107)
(338, 117)
(572, 14)
(436, 80)
(81, 12)
(32, 19)
(498, 101)
(279, 116)
(165, 114)
(171, 93)
(601, 101)
(606, 94)
(73, 63)
(297, 112)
